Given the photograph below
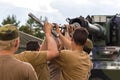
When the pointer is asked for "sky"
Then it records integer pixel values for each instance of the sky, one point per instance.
(57, 10)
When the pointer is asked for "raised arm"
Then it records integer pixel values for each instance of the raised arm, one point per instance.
(51, 44)
(67, 35)
(43, 45)
(66, 42)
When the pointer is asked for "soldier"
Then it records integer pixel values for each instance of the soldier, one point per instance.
(11, 68)
(75, 64)
(39, 59)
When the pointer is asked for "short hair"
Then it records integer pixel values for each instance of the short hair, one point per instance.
(8, 34)
(32, 45)
(80, 36)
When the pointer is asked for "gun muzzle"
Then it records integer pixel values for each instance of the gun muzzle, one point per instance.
(42, 23)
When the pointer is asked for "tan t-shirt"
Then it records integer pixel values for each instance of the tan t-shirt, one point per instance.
(74, 65)
(38, 59)
(13, 69)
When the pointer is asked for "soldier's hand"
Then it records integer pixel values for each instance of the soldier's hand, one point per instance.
(72, 28)
(47, 27)
(67, 27)
(57, 29)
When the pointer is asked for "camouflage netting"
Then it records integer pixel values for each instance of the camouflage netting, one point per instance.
(24, 38)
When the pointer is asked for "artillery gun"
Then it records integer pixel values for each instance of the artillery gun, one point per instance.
(104, 31)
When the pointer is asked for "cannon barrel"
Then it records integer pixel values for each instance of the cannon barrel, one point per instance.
(95, 30)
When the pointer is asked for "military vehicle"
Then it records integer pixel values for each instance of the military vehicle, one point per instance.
(104, 31)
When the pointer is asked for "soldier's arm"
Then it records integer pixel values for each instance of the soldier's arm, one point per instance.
(67, 32)
(52, 50)
(43, 45)
(64, 40)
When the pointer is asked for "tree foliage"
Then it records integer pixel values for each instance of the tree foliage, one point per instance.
(30, 27)
(11, 20)
(26, 29)
(33, 28)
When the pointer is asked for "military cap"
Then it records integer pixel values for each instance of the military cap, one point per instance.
(8, 32)
(89, 44)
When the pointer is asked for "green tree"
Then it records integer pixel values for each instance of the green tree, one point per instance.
(26, 29)
(33, 28)
(39, 33)
(11, 20)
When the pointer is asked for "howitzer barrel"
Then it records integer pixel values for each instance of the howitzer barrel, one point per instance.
(96, 30)
(42, 23)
